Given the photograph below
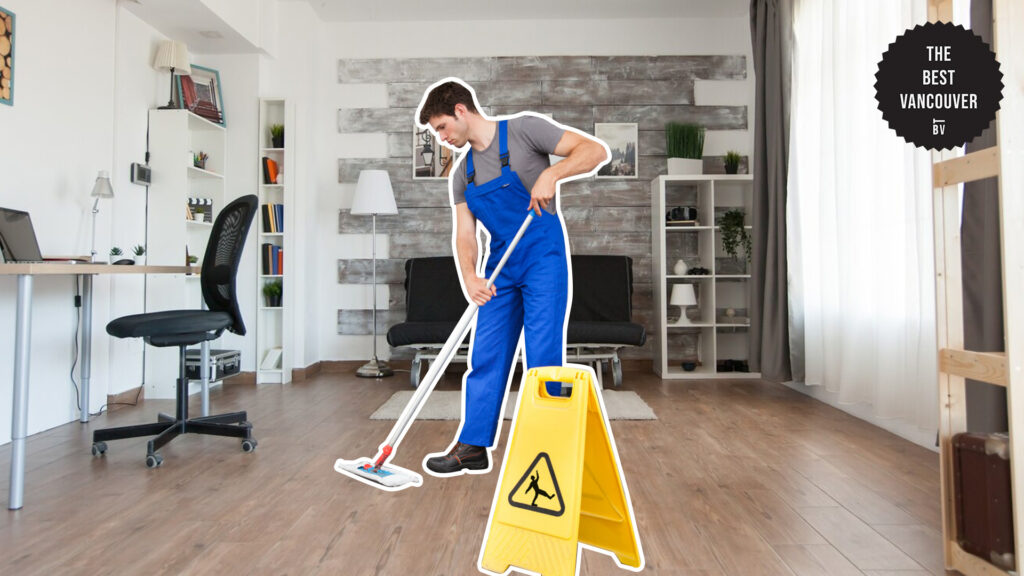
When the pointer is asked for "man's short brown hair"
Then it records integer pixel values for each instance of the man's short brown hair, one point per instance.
(442, 100)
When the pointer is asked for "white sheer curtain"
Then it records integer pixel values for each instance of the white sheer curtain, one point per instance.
(862, 304)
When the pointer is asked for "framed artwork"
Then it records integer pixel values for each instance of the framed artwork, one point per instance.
(622, 140)
(430, 159)
(201, 93)
(6, 57)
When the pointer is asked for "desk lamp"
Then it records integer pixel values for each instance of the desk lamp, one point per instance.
(101, 189)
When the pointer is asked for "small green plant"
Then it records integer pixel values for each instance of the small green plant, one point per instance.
(273, 288)
(192, 259)
(139, 250)
(272, 292)
(732, 162)
(277, 135)
(684, 141)
(734, 234)
(115, 251)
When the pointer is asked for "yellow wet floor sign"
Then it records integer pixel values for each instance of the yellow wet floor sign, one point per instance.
(561, 487)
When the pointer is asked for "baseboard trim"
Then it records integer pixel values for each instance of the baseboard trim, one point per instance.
(301, 374)
(125, 399)
(336, 366)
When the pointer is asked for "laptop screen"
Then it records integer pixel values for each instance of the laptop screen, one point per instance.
(17, 237)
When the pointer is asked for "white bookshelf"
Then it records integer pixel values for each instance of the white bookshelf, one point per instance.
(274, 323)
(718, 337)
(174, 136)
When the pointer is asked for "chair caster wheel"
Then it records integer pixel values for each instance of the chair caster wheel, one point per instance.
(249, 444)
(154, 461)
(99, 448)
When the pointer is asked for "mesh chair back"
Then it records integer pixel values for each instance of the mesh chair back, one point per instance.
(223, 254)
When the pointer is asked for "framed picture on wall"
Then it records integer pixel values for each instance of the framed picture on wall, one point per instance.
(622, 140)
(430, 159)
(6, 57)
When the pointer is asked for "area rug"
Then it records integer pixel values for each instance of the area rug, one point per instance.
(447, 405)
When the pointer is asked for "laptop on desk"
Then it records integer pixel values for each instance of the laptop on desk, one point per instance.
(18, 239)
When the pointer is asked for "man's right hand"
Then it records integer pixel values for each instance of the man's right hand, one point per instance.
(478, 290)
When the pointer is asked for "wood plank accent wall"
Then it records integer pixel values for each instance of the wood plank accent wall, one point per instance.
(602, 216)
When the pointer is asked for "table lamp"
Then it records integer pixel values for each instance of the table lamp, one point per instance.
(684, 297)
(172, 56)
(374, 196)
(101, 189)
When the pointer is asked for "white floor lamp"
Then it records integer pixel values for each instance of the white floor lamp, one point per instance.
(374, 196)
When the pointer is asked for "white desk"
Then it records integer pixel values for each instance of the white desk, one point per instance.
(23, 343)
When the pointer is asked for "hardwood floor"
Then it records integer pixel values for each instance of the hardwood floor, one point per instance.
(734, 478)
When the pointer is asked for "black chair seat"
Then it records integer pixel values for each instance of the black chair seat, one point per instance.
(171, 327)
(612, 333)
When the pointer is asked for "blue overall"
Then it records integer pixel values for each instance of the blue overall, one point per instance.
(532, 295)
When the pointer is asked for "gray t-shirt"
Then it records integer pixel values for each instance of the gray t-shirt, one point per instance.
(530, 140)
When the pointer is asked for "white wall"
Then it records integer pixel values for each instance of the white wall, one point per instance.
(725, 36)
(59, 133)
(296, 73)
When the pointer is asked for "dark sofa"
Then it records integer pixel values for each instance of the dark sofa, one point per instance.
(599, 321)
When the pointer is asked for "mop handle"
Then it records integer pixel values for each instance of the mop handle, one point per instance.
(446, 354)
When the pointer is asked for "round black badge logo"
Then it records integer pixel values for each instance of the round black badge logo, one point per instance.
(938, 86)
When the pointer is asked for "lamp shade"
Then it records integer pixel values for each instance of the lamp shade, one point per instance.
(102, 188)
(374, 194)
(172, 55)
(683, 295)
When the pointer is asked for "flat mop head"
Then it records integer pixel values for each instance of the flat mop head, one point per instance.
(387, 477)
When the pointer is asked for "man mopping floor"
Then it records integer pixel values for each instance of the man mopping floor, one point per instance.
(506, 172)
(505, 182)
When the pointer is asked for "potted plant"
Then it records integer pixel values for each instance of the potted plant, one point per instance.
(115, 254)
(140, 254)
(277, 135)
(684, 146)
(272, 292)
(732, 162)
(734, 234)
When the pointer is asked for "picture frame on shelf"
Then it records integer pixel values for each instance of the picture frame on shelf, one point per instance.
(200, 92)
(7, 22)
(622, 139)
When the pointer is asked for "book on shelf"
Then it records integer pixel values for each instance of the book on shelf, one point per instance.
(271, 359)
(273, 218)
(269, 171)
(271, 259)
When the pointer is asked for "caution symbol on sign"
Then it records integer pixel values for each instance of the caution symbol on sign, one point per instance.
(538, 490)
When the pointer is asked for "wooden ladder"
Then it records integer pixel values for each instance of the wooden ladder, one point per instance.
(1006, 161)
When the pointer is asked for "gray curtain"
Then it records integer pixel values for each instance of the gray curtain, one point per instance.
(982, 276)
(769, 307)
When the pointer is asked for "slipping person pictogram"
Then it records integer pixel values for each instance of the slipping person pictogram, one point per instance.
(537, 490)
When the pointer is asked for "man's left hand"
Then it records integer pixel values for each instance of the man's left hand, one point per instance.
(543, 192)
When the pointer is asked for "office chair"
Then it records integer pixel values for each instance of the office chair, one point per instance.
(183, 328)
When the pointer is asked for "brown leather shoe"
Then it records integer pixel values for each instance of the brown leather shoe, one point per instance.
(460, 457)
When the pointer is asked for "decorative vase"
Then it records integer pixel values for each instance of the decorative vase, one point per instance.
(277, 141)
(680, 268)
(730, 169)
(140, 260)
(677, 166)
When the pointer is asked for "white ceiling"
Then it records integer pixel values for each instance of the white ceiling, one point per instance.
(191, 22)
(412, 10)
